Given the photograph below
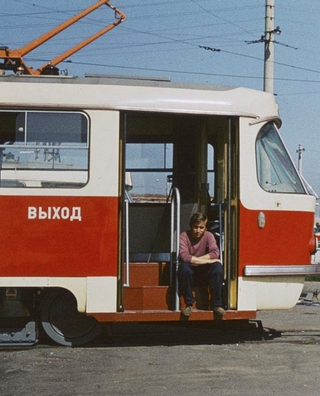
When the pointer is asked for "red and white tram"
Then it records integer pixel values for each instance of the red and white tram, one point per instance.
(99, 175)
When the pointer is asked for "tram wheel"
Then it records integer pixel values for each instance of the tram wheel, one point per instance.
(63, 323)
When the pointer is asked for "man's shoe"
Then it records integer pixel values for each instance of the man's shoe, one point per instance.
(187, 311)
(219, 311)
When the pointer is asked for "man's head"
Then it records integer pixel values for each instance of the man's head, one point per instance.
(198, 225)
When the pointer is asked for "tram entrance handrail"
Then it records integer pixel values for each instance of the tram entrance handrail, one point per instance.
(174, 241)
(127, 246)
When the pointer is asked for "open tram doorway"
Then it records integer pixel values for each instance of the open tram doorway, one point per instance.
(198, 155)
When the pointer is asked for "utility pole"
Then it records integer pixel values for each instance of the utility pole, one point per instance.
(299, 151)
(269, 47)
(269, 42)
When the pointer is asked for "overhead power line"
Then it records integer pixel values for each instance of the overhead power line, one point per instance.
(235, 8)
(259, 59)
(174, 71)
(133, 18)
(223, 19)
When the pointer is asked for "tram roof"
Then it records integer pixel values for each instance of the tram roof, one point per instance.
(138, 94)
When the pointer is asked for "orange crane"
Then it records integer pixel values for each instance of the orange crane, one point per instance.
(13, 59)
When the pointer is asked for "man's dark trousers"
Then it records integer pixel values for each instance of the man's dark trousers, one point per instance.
(208, 274)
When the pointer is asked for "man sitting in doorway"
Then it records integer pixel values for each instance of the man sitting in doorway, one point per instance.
(199, 256)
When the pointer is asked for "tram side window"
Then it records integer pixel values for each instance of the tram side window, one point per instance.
(43, 149)
(275, 170)
(150, 167)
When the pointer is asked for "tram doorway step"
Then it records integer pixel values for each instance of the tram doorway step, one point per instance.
(149, 289)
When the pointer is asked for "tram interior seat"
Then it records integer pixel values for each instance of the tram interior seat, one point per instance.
(149, 230)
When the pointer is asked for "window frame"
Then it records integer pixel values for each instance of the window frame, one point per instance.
(24, 145)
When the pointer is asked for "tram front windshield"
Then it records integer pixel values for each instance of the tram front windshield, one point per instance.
(275, 169)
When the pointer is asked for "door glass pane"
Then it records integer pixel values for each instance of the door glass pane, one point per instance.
(150, 168)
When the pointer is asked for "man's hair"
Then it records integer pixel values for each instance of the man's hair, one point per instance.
(197, 218)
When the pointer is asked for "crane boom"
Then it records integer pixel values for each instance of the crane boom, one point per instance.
(13, 59)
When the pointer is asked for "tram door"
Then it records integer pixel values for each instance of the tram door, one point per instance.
(223, 189)
(197, 155)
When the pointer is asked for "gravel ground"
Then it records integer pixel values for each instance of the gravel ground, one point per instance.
(281, 357)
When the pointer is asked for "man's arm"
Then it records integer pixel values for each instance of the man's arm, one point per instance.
(203, 260)
(184, 248)
(213, 250)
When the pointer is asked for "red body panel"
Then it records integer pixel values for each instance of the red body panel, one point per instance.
(285, 239)
(58, 247)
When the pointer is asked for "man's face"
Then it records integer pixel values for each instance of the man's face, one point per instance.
(197, 230)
